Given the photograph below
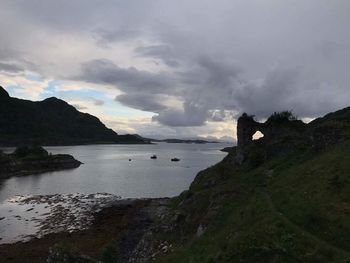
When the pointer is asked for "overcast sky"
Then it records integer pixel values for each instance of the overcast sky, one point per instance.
(181, 68)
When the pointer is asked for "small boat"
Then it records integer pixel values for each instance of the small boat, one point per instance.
(154, 156)
(175, 159)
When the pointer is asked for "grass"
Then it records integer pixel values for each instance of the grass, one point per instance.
(291, 209)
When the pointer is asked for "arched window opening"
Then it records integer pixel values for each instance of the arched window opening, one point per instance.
(257, 135)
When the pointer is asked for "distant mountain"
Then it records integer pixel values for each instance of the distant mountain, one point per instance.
(197, 141)
(52, 122)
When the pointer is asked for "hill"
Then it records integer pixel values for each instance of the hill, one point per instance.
(288, 200)
(282, 198)
(52, 122)
(173, 140)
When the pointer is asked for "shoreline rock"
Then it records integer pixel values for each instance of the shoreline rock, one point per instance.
(228, 149)
(34, 160)
(123, 223)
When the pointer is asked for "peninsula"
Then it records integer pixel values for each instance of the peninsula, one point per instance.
(33, 160)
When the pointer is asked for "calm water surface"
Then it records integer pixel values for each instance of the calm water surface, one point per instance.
(107, 169)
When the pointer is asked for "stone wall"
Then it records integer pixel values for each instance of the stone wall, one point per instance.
(274, 131)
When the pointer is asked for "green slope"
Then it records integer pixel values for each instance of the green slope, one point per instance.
(290, 209)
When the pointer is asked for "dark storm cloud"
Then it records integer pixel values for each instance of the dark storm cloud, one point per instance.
(104, 38)
(208, 86)
(221, 115)
(146, 102)
(215, 90)
(162, 52)
(216, 59)
(273, 94)
(8, 53)
(10, 68)
(192, 115)
(78, 15)
(219, 73)
(288, 89)
(104, 71)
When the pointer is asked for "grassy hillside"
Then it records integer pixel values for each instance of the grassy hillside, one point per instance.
(291, 209)
(294, 208)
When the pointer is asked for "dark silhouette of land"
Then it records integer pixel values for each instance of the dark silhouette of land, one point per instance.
(33, 160)
(52, 122)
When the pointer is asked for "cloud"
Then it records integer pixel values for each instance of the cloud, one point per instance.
(289, 89)
(104, 71)
(163, 52)
(215, 90)
(192, 67)
(198, 89)
(192, 115)
(10, 67)
(273, 93)
(98, 102)
(104, 37)
(145, 102)
(79, 107)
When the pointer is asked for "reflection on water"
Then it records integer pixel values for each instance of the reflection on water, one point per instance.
(32, 206)
(107, 169)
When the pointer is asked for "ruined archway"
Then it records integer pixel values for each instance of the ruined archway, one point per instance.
(257, 135)
(274, 131)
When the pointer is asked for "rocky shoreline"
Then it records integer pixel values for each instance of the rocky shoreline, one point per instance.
(26, 217)
(126, 225)
(82, 227)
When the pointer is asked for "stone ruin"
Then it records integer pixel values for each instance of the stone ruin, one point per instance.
(276, 131)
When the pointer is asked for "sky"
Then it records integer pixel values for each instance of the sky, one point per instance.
(178, 69)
